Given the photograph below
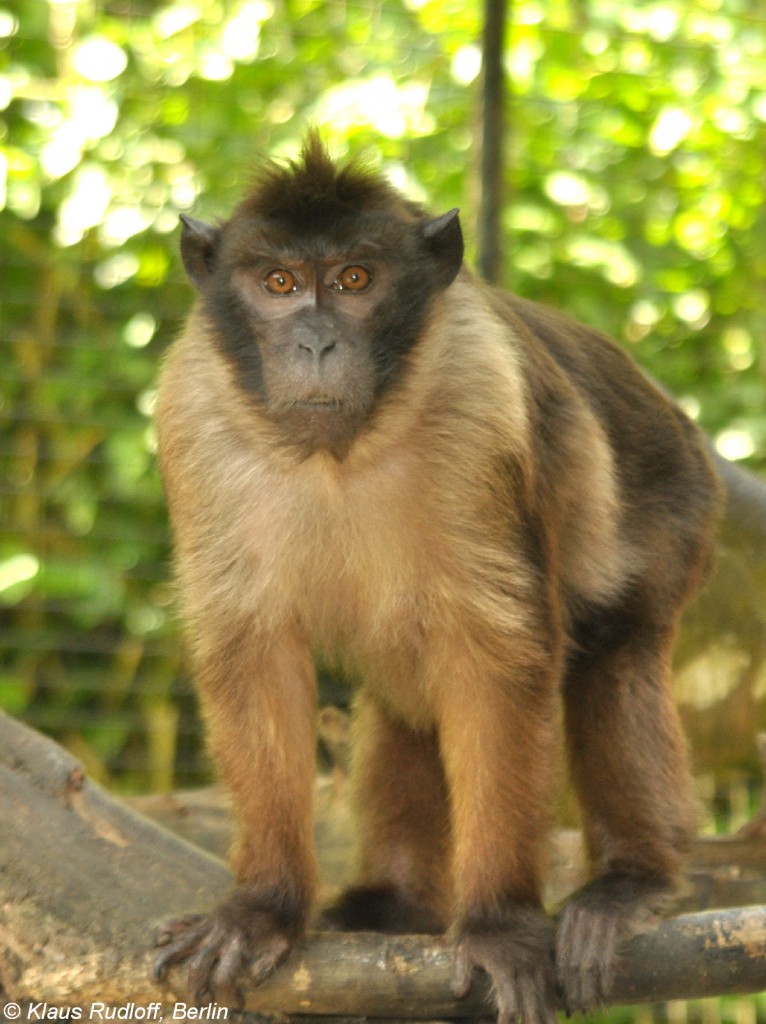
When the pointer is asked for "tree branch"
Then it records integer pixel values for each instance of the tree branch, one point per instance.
(380, 976)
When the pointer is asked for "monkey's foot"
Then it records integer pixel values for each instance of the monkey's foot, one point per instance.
(592, 927)
(517, 954)
(380, 908)
(243, 938)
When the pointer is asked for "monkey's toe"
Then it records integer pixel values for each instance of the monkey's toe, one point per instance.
(177, 940)
(587, 944)
(593, 926)
(240, 939)
(518, 957)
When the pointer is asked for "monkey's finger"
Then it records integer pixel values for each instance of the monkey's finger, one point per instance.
(507, 1001)
(578, 988)
(587, 945)
(587, 986)
(533, 998)
(160, 966)
(516, 1004)
(571, 962)
(267, 961)
(231, 960)
(461, 975)
(202, 963)
(230, 995)
(175, 950)
(169, 929)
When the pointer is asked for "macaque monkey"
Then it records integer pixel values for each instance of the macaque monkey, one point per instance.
(475, 508)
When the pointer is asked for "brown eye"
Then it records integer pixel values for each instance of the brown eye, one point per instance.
(352, 279)
(280, 282)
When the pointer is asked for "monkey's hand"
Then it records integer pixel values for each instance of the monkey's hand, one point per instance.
(246, 936)
(515, 948)
(593, 925)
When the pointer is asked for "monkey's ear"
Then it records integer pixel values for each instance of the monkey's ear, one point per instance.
(444, 239)
(198, 244)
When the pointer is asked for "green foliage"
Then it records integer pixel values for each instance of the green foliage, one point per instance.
(640, 138)
(636, 200)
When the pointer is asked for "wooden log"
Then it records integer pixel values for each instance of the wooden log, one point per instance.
(82, 877)
(687, 957)
(365, 975)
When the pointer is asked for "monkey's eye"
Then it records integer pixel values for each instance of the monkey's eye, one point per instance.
(352, 279)
(280, 282)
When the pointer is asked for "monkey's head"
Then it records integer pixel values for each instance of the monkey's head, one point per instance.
(316, 289)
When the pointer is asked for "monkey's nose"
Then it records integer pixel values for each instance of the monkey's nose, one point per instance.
(317, 347)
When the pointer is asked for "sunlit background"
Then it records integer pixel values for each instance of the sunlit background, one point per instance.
(636, 182)
(636, 200)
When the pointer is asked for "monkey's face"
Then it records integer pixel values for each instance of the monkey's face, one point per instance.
(317, 318)
(313, 324)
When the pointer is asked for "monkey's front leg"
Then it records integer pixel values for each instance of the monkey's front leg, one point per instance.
(497, 739)
(260, 704)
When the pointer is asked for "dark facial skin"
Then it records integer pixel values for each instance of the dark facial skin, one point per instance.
(316, 325)
(313, 318)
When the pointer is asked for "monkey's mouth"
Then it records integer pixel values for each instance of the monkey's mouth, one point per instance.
(320, 421)
(320, 403)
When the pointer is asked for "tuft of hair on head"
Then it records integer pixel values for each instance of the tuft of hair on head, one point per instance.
(316, 185)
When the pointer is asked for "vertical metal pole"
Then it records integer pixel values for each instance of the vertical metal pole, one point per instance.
(493, 129)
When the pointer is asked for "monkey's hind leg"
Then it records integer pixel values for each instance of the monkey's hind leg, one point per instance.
(628, 761)
(401, 809)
